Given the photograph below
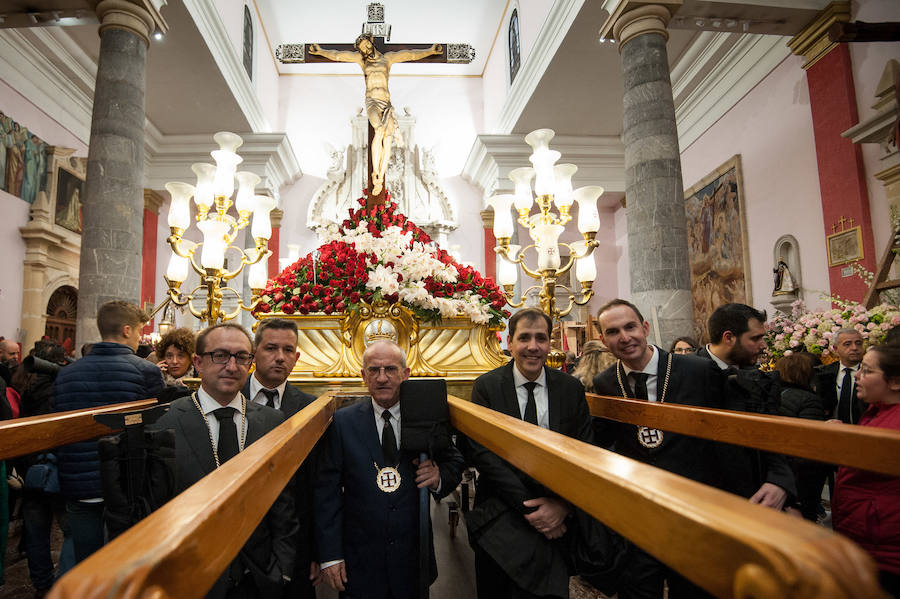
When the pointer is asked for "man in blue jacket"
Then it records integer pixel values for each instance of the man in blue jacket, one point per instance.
(110, 374)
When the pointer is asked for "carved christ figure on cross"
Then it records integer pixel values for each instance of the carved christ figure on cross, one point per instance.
(376, 67)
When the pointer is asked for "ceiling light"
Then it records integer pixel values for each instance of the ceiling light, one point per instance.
(157, 35)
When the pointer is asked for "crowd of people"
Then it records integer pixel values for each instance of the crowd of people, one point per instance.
(349, 516)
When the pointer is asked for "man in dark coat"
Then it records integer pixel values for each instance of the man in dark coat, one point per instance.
(646, 372)
(110, 374)
(836, 382)
(517, 525)
(736, 334)
(215, 424)
(275, 356)
(366, 493)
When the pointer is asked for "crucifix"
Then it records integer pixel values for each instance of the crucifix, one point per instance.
(375, 56)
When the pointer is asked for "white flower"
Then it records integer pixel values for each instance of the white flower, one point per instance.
(383, 278)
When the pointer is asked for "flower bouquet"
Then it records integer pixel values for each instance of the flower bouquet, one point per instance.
(377, 254)
(813, 331)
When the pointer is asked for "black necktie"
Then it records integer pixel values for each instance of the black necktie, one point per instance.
(530, 405)
(640, 384)
(389, 441)
(845, 413)
(270, 394)
(228, 440)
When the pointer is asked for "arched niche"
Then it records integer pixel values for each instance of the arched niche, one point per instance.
(787, 250)
(61, 316)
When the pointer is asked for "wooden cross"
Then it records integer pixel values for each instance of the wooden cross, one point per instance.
(375, 56)
(842, 221)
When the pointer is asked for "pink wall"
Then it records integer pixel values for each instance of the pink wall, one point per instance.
(771, 128)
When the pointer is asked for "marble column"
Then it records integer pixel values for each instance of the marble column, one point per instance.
(110, 266)
(657, 238)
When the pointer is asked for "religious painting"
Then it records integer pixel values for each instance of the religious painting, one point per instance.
(845, 246)
(69, 196)
(23, 160)
(717, 243)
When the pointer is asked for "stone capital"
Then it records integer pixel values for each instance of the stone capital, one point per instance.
(487, 218)
(812, 42)
(650, 18)
(153, 201)
(275, 217)
(130, 16)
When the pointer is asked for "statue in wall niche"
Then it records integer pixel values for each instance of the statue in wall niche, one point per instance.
(376, 68)
(784, 282)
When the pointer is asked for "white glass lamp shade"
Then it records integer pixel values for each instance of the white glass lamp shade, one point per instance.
(543, 161)
(177, 270)
(508, 272)
(522, 178)
(228, 141)
(588, 216)
(562, 195)
(586, 269)
(247, 182)
(203, 193)
(546, 238)
(262, 224)
(226, 164)
(539, 138)
(258, 275)
(503, 222)
(180, 204)
(214, 232)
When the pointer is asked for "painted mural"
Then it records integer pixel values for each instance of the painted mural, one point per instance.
(23, 160)
(717, 243)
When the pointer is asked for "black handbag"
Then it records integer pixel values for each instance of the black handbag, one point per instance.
(43, 475)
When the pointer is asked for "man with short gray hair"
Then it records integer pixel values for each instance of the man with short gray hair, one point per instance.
(836, 382)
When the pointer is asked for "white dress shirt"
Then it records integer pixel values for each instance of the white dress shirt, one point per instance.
(541, 399)
(256, 395)
(209, 405)
(651, 369)
(840, 379)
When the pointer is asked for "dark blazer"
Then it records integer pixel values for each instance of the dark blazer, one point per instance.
(825, 385)
(375, 533)
(496, 524)
(268, 554)
(692, 382)
(744, 470)
(300, 586)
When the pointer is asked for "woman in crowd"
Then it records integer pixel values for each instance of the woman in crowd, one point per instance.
(799, 401)
(866, 505)
(594, 360)
(683, 345)
(176, 350)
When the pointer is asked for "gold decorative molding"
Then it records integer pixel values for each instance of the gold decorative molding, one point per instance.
(153, 201)
(275, 217)
(487, 218)
(631, 18)
(812, 42)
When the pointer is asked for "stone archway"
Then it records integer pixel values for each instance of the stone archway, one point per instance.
(61, 316)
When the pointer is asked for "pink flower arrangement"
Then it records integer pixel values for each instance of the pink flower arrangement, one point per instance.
(379, 254)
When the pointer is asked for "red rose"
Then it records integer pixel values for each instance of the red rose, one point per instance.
(340, 307)
(304, 287)
(303, 309)
(277, 296)
(328, 309)
(354, 297)
(295, 299)
(288, 308)
(263, 308)
(317, 290)
(309, 275)
(307, 299)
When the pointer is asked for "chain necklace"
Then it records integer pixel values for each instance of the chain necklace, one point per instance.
(388, 478)
(209, 429)
(648, 437)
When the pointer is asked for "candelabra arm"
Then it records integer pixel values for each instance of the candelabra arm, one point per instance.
(160, 306)
(587, 293)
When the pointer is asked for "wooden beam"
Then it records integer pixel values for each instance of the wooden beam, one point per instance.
(33, 434)
(181, 549)
(860, 31)
(720, 541)
(874, 449)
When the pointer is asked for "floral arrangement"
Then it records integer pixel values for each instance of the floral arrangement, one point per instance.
(378, 254)
(813, 331)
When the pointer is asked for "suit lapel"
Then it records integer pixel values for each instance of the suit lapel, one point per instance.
(510, 399)
(364, 423)
(554, 404)
(290, 402)
(196, 432)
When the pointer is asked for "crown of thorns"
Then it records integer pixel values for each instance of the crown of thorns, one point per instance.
(364, 36)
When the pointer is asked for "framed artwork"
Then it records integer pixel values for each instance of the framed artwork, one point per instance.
(845, 246)
(717, 243)
(69, 194)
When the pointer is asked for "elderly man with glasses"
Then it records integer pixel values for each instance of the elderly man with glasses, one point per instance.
(213, 425)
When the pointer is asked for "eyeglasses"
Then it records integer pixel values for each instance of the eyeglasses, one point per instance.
(683, 350)
(220, 356)
(866, 371)
(390, 371)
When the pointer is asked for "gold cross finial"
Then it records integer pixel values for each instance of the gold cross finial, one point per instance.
(850, 222)
(842, 221)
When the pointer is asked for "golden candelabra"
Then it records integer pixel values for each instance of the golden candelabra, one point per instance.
(212, 196)
(552, 187)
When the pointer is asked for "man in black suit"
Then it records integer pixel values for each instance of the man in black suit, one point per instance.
(736, 333)
(836, 382)
(517, 525)
(275, 356)
(215, 424)
(646, 372)
(367, 489)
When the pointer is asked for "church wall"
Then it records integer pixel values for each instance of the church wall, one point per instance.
(868, 62)
(771, 128)
(232, 14)
(469, 236)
